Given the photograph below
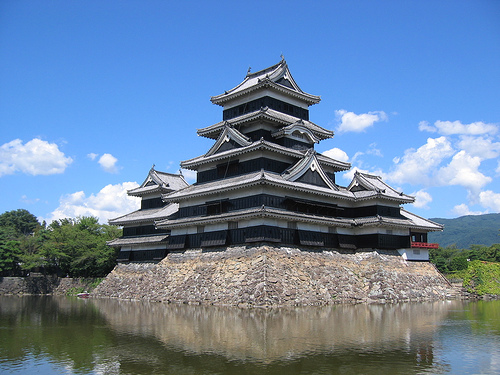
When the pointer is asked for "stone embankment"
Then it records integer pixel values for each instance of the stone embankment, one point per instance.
(276, 276)
(41, 284)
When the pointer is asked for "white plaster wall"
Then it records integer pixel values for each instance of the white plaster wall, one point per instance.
(142, 247)
(412, 254)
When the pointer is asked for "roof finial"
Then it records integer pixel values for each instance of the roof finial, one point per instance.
(249, 70)
(153, 167)
(180, 171)
(282, 57)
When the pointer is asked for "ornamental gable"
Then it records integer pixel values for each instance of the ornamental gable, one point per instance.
(229, 139)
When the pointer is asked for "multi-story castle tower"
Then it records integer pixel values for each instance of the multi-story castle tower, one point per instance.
(262, 181)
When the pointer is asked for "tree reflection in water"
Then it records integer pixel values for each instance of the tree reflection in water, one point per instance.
(123, 337)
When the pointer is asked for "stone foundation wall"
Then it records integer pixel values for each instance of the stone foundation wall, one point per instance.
(40, 285)
(276, 276)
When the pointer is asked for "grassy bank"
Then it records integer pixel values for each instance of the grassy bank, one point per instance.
(480, 277)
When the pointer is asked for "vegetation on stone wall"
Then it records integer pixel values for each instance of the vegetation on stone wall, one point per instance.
(478, 267)
(451, 259)
(73, 247)
(481, 277)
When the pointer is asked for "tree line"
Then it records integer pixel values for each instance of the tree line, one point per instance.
(74, 247)
(451, 259)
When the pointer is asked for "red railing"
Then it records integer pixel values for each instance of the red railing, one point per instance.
(425, 245)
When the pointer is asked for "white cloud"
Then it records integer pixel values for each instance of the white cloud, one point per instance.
(110, 202)
(490, 200)
(424, 126)
(463, 210)
(92, 156)
(36, 157)
(108, 163)
(416, 165)
(479, 146)
(463, 171)
(422, 199)
(336, 154)
(351, 122)
(457, 128)
(356, 156)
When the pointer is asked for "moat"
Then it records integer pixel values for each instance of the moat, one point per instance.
(66, 335)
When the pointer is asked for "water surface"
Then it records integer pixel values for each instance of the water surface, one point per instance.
(63, 335)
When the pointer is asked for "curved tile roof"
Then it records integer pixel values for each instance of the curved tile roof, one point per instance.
(159, 182)
(146, 215)
(276, 77)
(266, 113)
(274, 179)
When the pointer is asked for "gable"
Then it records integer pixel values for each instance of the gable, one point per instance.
(229, 139)
(313, 177)
(308, 170)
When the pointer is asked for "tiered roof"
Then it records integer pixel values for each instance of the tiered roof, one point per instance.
(276, 78)
(260, 145)
(308, 173)
(145, 215)
(155, 184)
(277, 180)
(159, 182)
(279, 119)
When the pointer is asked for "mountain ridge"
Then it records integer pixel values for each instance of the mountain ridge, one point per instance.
(468, 230)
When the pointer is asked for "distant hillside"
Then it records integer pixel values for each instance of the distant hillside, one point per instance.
(468, 230)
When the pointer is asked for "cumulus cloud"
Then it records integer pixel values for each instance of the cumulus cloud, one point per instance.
(490, 200)
(422, 199)
(110, 202)
(455, 158)
(425, 126)
(463, 210)
(108, 163)
(36, 157)
(457, 128)
(414, 167)
(485, 148)
(351, 122)
(336, 154)
(463, 171)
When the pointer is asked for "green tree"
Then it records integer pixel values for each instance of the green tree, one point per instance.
(458, 263)
(16, 233)
(9, 251)
(21, 220)
(77, 247)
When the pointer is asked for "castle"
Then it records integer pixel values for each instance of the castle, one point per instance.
(263, 182)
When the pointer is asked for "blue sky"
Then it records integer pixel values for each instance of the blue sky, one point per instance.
(93, 93)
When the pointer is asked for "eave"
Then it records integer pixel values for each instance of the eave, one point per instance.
(260, 212)
(139, 240)
(145, 216)
(194, 163)
(267, 114)
(263, 84)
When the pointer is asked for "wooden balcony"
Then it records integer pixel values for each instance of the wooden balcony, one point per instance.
(425, 245)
